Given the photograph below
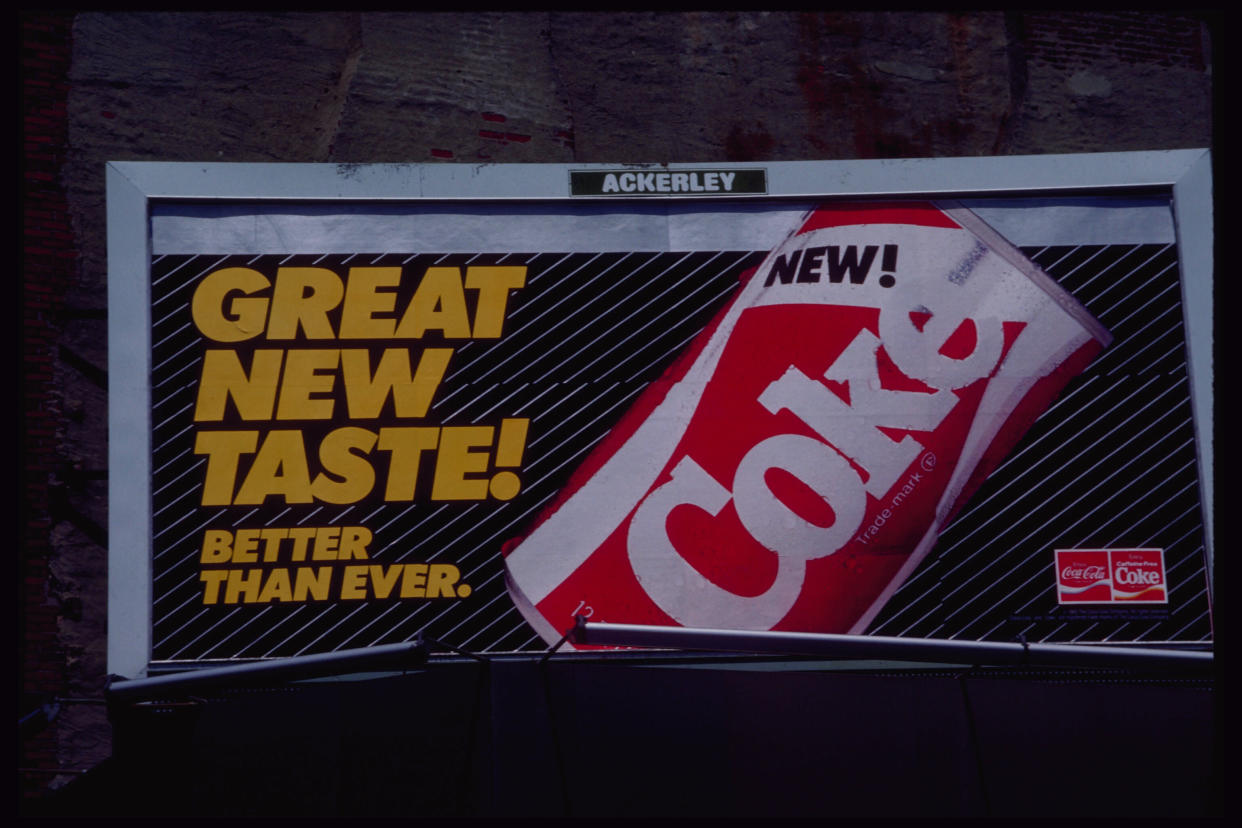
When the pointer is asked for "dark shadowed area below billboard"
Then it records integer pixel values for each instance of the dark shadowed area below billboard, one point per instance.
(670, 736)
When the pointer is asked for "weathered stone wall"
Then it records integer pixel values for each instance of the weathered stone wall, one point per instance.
(492, 87)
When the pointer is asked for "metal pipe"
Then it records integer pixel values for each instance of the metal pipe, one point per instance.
(386, 657)
(884, 647)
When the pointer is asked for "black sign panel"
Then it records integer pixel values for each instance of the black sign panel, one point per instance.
(302, 504)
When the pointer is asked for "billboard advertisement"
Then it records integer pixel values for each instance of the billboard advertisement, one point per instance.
(663, 396)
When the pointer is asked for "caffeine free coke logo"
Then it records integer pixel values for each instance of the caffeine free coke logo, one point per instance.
(1138, 576)
(1105, 576)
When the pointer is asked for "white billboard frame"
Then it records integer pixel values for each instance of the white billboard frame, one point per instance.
(134, 189)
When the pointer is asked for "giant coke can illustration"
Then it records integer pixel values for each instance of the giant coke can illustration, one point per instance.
(798, 461)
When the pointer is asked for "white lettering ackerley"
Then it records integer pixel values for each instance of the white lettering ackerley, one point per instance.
(669, 182)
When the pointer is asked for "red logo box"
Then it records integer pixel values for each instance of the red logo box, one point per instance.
(1105, 576)
(1083, 576)
(1138, 576)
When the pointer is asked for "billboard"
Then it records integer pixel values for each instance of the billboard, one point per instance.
(353, 405)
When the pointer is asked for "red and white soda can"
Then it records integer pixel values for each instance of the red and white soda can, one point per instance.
(799, 460)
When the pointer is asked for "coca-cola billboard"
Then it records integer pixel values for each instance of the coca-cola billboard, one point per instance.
(710, 397)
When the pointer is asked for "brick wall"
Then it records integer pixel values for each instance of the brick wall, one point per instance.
(48, 262)
(1070, 38)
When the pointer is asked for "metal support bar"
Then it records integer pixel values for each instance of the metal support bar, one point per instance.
(386, 657)
(884, 647)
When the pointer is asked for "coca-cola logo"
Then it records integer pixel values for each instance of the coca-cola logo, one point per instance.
(1084, 573)
(849, 458)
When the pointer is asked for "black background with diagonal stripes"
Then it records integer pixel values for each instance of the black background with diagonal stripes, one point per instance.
(1111, 464)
